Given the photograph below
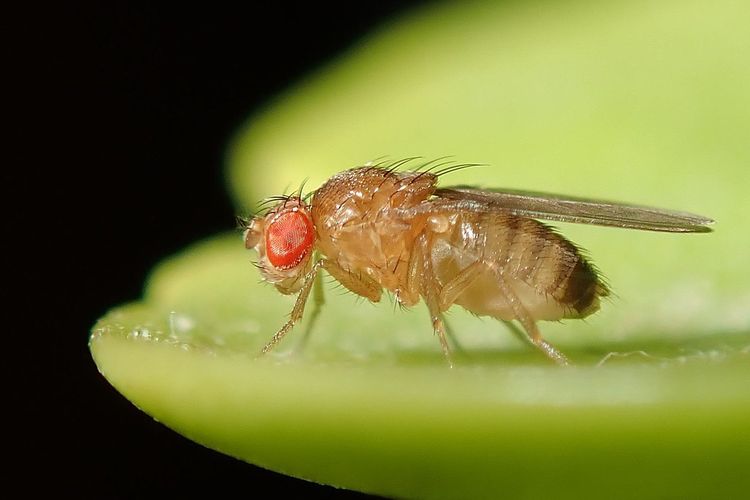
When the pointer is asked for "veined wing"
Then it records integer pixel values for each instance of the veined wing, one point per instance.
(560, 208)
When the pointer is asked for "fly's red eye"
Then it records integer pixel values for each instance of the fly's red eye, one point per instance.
(288, 239)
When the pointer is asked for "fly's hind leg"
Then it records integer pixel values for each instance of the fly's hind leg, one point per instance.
(529, 325)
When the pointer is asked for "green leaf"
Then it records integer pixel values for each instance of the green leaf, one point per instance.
(639, 101)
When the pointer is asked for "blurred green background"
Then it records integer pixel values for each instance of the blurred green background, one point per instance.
(645, 102)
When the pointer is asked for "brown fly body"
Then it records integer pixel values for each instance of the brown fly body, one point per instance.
(374, 227)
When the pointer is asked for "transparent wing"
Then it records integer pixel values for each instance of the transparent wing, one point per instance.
(579, 210)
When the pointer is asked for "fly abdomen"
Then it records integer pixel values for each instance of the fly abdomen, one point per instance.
(581, 289)
(553, 266)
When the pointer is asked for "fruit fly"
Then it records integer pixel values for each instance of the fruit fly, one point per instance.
(376, 227)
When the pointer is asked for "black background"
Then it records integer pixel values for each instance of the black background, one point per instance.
(119, 117)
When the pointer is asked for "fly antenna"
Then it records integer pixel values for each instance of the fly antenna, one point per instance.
(242, 223)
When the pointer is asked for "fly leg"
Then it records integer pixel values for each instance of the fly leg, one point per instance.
(360, 284)
(528, 323)
(453, 289)
(458, 284)
(432, 298)
(451, 336)
(299, 307)
(318, 301)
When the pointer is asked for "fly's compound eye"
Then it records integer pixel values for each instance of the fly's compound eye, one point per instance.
(289, 238)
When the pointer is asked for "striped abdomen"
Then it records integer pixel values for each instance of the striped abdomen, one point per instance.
(545, 272)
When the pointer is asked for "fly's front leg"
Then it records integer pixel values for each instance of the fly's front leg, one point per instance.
(360, 284)
(409, 294)
(528, 323)
(318, 300)
(299, 306)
